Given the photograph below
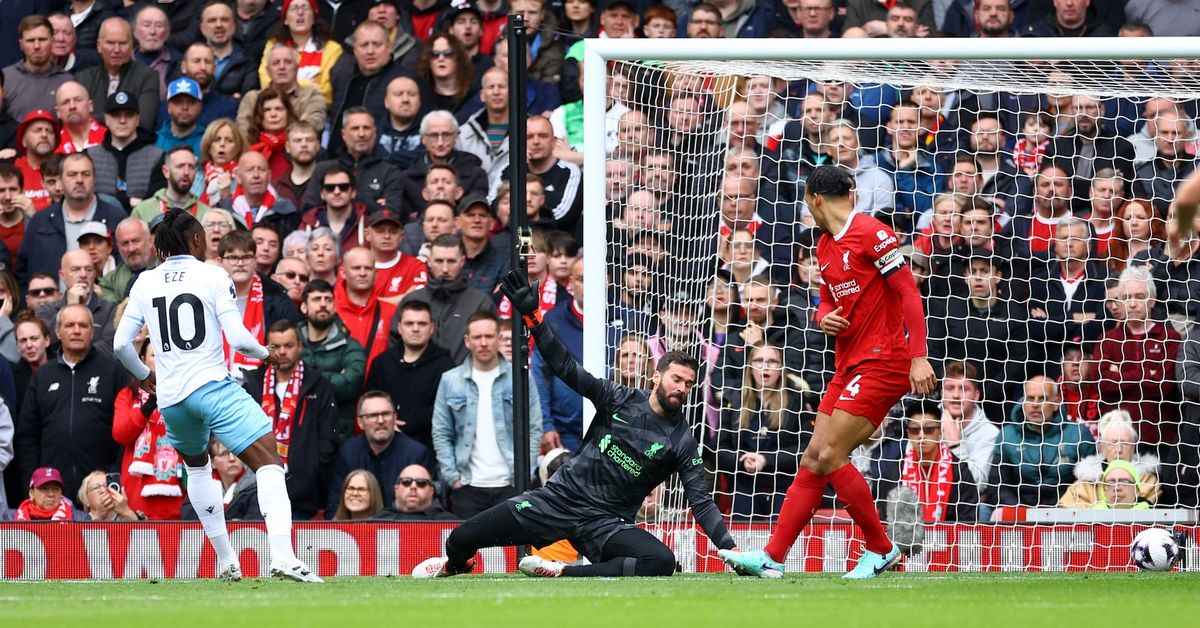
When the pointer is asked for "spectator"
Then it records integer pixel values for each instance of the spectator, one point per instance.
(876, 188)
(965, 428)
(292, 274)
(1174, 159)
(1077, 383)
(266, 245)
(1037, 450)
(449, 296)
(859, 12)
(404, 47)
(1091, 145)
(7, 459)
(13, 220)
(128, 164)
(985, 326)
(634, 363)
(303, 30)
(151, 27)
(396, 274)
(1070, 18)
(1134, 362)
(485, 133)
(326, 344)
(808, 19)
(562, 407)
(30, 84)
(118, 72)
(303, 144)
(359, 497)
(379, 184)
(265, 303)
(303, 417)
(764, 425)
(47, 501)
(399, 130)
(96, 241)
(1139, 233)
(362, 81)
(234, 72)
(267, 130)
(486, 263)
(71, 429)
(151, 469)
(63, 46)
(1004, 183)
(239, 487)
(102, 502)
(415, 497)
(563, 180)
(179, 173)
(341, 212)
(472, 422)
(184, 106)
(38, 138)
(409, 370)
(1066, 297)
(926, 464)
(912, 171)
(220, 148)
(382, 447)
(446, 70)
(59, 226)
(1118, 441)
(439, 135)
(323, 254)
(358, 304)
(1122, 488)
(258, 204)
(1107, 194)
(1032, 235)
(33, 344)
(79, 129)
(1037, 129)
(256, 20)
(282, 65)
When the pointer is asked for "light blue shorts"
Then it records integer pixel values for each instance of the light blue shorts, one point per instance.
(221, 408)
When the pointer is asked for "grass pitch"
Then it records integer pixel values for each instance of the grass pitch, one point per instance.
(1000, 600)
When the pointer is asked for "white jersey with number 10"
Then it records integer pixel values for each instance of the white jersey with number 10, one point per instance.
(182, 301)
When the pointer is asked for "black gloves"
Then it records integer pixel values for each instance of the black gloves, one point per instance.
(524, 298)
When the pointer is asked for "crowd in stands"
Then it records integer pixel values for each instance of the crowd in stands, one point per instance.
(350, 164)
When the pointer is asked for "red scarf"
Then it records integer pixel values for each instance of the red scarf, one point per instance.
(933, 491)
(154, 459)
(270, 143)
(282, 412)
(253, 214)
(254, 319)
(95, 135)
(212, 194)
(310, 59)
(28, 511)
(1027, 157)
(547, 299)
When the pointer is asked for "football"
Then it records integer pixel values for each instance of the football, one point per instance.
(1154, 549)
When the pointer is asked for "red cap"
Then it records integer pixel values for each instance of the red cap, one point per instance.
(34, 116)
(44, 476)
(311, 3)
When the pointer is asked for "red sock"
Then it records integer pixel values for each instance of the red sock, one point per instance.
(853, 492)
(803, 499)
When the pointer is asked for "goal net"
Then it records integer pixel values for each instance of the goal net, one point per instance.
(1032, 198)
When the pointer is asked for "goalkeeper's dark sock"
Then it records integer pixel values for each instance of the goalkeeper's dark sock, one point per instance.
(801, 503)
(852, 490)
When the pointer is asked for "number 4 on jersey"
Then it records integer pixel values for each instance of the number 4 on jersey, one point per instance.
(168, 321)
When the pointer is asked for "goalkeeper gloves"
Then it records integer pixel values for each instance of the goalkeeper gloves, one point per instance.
(523, 297)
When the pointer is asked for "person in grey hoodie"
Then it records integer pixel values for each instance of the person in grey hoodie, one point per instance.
(450, 298)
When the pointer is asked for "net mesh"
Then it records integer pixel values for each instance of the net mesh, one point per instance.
(1032, 200)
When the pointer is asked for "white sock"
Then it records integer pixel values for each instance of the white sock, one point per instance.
(276, 509)
(204, 492)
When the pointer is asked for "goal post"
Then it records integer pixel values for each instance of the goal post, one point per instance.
(694, 252)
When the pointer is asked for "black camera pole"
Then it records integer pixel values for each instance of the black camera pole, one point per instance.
(518, 225)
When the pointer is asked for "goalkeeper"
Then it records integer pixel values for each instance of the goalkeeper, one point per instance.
(634, 443)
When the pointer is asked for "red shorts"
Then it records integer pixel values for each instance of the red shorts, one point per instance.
(869, 389)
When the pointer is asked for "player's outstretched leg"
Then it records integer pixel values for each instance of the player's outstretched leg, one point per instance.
(276, 507)
(629, 552)
(494, 527)
(801, 503)
(204, 493)
(879, 554)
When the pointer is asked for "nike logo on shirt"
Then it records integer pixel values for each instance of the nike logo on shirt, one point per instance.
(619, 419)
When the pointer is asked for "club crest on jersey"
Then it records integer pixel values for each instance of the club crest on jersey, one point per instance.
(846, 260)
(654, 449)
(93, 385)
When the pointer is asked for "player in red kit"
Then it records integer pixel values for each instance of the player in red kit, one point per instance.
(869, 299)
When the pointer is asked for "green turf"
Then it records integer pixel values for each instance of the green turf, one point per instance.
(1001, 600)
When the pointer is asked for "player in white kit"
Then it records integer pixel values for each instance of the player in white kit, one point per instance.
(187, 304)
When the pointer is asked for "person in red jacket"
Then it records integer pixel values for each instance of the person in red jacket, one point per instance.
(356, 300)
(1136, 363)
(150, 467)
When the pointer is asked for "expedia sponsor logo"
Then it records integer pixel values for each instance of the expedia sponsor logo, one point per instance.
(883, 245)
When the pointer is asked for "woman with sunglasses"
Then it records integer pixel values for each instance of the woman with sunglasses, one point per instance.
(445, 67)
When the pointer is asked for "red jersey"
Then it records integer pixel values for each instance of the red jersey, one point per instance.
(34, 188)
(854, 268)
(397, 277)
